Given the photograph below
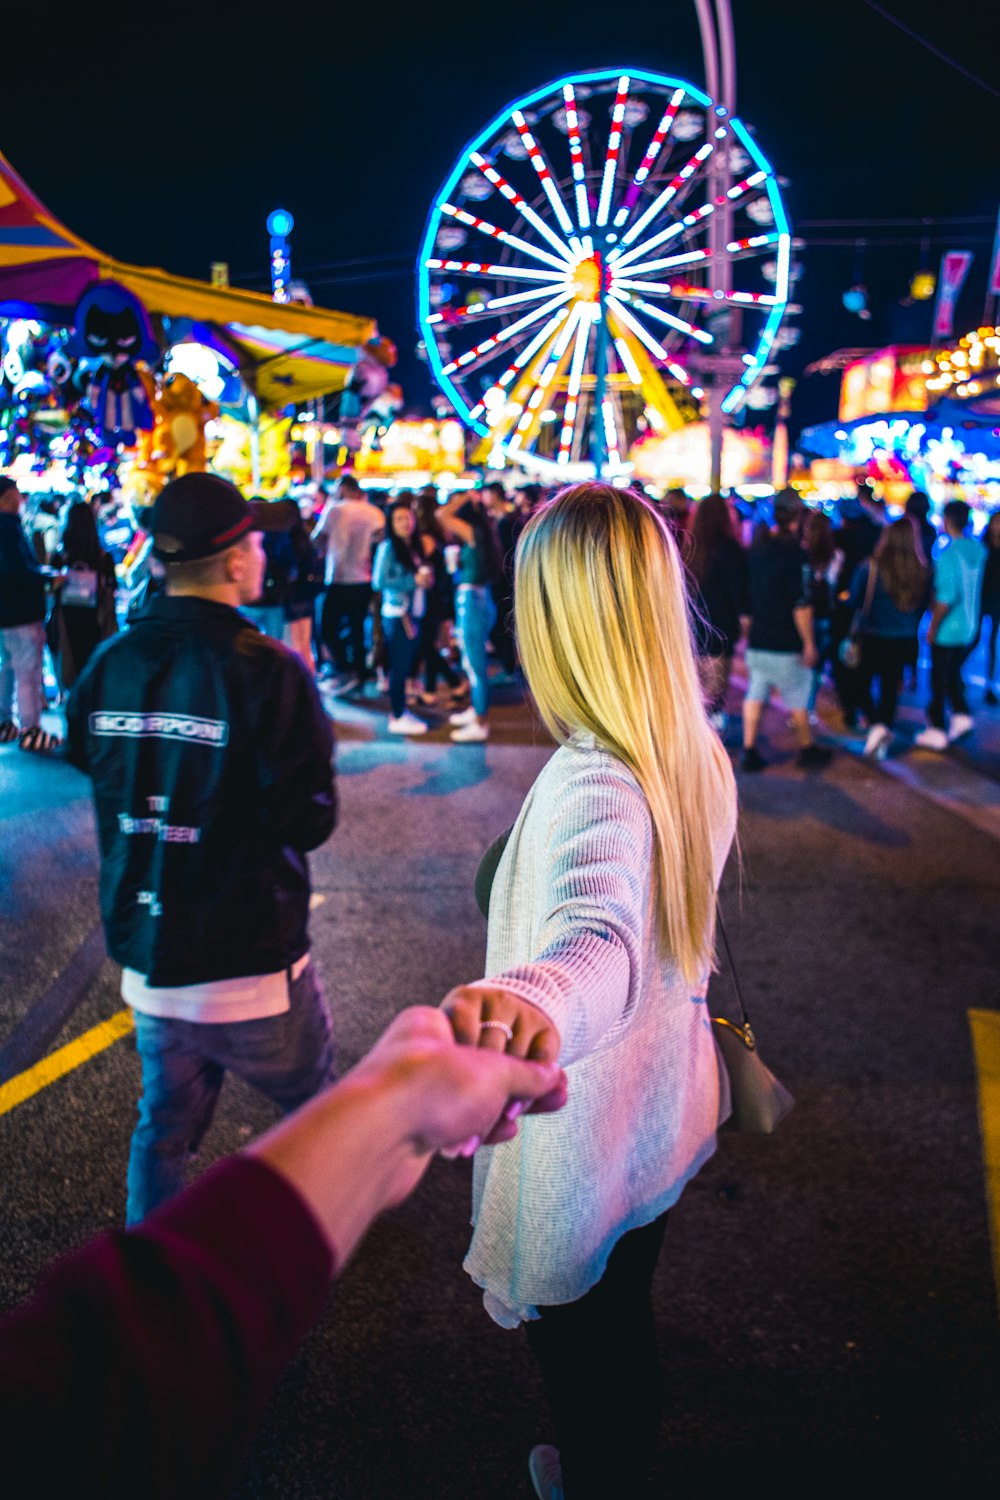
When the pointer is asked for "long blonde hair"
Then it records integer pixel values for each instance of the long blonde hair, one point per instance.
(604, 639)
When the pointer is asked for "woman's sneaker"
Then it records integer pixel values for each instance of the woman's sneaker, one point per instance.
(463, 717)
(472, 733)
(546, 1472)
(407, 724)
(877, 743)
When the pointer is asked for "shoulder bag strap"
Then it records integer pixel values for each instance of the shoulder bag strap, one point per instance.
(734, 977)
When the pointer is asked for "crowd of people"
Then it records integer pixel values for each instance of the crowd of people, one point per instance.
(411, 598)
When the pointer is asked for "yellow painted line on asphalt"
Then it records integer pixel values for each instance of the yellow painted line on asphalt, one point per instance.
(985, 1026)
(25, 1085)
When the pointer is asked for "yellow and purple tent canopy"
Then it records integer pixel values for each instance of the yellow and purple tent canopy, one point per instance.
(286, 352)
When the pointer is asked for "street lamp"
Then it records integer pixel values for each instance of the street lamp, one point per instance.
(279, 226)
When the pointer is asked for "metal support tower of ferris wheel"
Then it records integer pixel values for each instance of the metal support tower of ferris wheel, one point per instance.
(718, 45)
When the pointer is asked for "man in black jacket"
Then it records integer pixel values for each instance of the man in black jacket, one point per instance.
(211, 761)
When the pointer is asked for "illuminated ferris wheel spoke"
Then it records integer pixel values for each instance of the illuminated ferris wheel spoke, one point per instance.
(485, 227)
(573, 388)
(479, 268)
(700, 335)
(495, 307)
(614, 148)
(671, 190)
(544, 175)
(527, 212)
(694, 221)
(475, 356)
(517, 364)
(531, 419)
(649, 160)
(649, 378)
(752, 242)
(576, 157)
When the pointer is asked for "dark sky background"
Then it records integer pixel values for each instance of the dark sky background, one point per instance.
(166, 136)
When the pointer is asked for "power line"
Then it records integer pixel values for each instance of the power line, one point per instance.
(892, 223)
(923, 42)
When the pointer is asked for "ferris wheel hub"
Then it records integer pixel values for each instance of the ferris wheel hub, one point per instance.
(585, 280)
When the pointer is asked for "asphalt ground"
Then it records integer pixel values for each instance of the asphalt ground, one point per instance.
(825, 1303)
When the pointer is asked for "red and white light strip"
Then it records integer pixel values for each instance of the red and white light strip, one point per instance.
(513, 196)
(649, 160)
(689, 258)
(486, 227)
(573, 389)
(576, 157)
(481, 268)
(527, 353)
(544, 175)
(670, 191)
(754, 242)
(614, 147)
(507, 333)
(672, 322)
(705, 294)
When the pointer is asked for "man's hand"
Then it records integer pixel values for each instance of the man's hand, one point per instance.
(810, 656)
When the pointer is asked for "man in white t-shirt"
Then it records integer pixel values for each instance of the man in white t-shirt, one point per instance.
(347, 532)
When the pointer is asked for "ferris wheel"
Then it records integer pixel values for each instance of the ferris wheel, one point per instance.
(570, 279)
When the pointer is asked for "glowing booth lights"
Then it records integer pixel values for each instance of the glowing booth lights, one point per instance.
(595, 278)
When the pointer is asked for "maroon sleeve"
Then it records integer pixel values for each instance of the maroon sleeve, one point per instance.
(143, 1360)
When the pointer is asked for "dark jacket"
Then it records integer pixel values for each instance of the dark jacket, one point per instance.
(780, 583)
(211, 759)
(22, 584)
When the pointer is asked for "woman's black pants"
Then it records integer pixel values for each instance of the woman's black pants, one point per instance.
(602, 1375)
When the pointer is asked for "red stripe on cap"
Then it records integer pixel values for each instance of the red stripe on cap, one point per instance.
(241, 526)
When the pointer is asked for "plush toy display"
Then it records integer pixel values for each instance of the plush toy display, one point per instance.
(113, 328)
(179, 434)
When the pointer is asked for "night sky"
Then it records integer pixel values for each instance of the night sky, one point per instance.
(166, 136)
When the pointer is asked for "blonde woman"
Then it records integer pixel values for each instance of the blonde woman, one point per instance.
(601, 931)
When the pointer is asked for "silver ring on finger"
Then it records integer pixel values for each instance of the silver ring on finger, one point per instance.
(497, 1026)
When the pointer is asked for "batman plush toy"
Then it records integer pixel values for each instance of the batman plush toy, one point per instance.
(113, 328)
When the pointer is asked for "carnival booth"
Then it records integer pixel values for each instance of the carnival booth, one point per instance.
(119, 377)
(921, 418)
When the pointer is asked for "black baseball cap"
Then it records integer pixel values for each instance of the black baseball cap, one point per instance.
(200, 515)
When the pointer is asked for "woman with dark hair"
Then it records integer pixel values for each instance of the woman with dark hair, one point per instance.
(84, 612)
(717, 569)
(991, 601)
(466, 519)
(432, 540)
(402, 578)
(825, 559)
(891, 592)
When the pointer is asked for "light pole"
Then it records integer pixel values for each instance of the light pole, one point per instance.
(279, 226)
(718, 46)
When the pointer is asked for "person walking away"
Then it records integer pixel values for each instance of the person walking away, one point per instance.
(402, 578)
(600, 940)
(22, 630)
(990, 609)
(210, 756)
(824, 563)
(84, 610)
(345, 534)
(954, 628)
(508, 527)
(856, 538)
(304, 584)
(781, 654)
(918, 508)
(891, 591)
(717, 567)
(439, 606)
(465, 518)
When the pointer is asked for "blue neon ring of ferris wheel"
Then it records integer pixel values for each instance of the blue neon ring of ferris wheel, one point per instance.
(755, 362)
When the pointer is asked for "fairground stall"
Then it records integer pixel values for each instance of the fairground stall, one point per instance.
(926, 419)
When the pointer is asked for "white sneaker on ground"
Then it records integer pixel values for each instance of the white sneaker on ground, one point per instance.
(877, 743)
(464, 716)
(546, 1472)
(931, 739)
(960, 726)
(407, 724)
(472, 733)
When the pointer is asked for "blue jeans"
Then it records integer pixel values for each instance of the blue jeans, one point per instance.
(288, 1057)
(401, 649)
(475, 616)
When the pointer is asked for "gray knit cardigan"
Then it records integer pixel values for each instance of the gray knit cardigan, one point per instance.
(572, 929)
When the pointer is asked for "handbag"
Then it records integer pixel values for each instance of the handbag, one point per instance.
(79, 587)
(759, 1100)
(850, 646)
